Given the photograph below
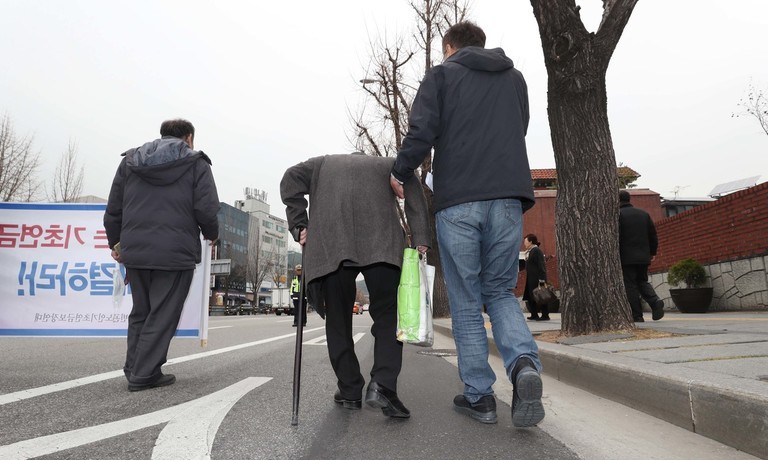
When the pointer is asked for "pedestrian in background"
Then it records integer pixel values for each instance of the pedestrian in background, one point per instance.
(536, 275)
(163, 195)
(296, 292)
(354, 228)
(637, 247)
(473, 109)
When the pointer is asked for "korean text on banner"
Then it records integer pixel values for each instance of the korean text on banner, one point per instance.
(57, 275)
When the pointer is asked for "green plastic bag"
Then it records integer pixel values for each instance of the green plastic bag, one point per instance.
(414, 300)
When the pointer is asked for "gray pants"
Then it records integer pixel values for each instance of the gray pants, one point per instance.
(158, 298)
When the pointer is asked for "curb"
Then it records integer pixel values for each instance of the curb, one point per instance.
(731, 410)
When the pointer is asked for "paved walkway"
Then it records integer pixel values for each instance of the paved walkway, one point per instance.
(712, 380)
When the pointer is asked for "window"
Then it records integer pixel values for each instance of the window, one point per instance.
(266, 239)
(266, 224)
(280, 228)
(280, 244)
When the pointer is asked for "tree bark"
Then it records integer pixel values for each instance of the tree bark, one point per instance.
(586, 214)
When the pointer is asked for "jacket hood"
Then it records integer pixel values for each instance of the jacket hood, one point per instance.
(162, 161)
(487, 60)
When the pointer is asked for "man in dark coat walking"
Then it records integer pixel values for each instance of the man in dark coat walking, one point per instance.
(162, 197)
(637, 245)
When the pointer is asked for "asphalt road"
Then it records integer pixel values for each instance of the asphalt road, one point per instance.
(46, 411)
(66, 398)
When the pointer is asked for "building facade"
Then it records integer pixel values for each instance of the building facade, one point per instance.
(268, 241)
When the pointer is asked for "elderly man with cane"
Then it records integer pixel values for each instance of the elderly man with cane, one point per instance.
(355, 228)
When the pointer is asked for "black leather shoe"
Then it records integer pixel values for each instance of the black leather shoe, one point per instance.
(385, 399)
(639, 320)
(351, 404)
(543, 318)
(533, 318)
(658, 310)
(484, 410)
(527, 409)
(164, 380)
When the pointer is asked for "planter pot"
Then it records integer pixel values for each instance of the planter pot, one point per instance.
(692, 300)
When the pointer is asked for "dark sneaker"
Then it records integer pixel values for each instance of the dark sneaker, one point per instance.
(385, 399)
(639, 320)
(658, 310)
(351, 404)
(543, 318)
(527, 409)
(164, 380)
(484, 410)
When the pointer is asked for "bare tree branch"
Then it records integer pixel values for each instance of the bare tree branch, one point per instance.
(68, 179)
(755, 105)
(18, 164)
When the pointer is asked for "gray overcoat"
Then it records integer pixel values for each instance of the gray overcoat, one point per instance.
(353, 217)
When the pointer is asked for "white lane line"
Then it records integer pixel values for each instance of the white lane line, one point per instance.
(191, 432)
(192, 428)
(39, 391)
(322, 340)
(218, 327)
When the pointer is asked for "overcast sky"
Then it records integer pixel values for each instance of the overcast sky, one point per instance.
(269, 84)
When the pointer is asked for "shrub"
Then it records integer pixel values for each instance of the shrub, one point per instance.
(687, 271)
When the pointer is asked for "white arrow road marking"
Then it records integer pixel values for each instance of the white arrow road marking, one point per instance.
(322, 340)
(39, 391)
(189, 434)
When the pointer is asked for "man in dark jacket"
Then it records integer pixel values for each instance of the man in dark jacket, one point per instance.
(637, 247)
(473, 109)
(162, 197)
(353, 227)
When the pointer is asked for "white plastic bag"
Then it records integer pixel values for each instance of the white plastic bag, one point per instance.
(118, 288)
(427, 275)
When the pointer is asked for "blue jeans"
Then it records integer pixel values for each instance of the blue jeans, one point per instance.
(479, 246)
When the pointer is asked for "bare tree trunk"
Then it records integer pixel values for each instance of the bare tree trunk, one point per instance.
(586, 215)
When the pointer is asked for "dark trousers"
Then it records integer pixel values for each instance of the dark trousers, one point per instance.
(340, 289)
(637, 286)
(158, 298)
(296, 312)
(535, 308)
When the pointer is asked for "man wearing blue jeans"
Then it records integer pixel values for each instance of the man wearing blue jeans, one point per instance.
(473, 109)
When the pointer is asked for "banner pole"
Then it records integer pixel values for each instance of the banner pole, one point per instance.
(205, 294)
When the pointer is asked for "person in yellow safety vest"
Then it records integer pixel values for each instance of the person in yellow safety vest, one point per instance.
(295, 296)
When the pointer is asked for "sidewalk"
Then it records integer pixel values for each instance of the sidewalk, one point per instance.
(712, 381)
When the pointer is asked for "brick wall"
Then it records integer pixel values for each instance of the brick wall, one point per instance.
(540, 220)
(731, 228)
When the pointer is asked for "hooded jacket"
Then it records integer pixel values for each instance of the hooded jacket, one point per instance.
(163, 195)
(474, 110)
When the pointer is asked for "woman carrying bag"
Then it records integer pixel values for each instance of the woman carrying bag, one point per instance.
(536, 274)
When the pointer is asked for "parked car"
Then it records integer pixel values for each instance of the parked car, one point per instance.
(243, 308)
(233, 309)
(246, 308)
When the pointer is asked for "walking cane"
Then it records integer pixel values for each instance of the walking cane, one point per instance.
(299, 337)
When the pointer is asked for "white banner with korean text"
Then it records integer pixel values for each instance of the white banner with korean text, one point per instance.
(56, 276)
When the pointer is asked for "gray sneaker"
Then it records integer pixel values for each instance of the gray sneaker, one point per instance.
(527, 409)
